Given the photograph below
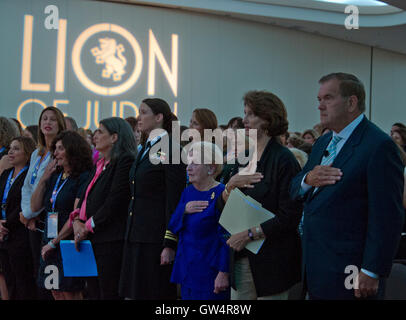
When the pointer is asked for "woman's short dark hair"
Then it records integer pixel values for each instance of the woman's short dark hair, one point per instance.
(77, 151)
(8, 131)
(402, 134)
(27, 144)
(399, 125)
(240, 124)
(125, 137)
(270, 108)
(133, 122)
(158, 106)
(312, 132)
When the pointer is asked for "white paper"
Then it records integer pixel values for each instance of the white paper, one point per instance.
(242, 212)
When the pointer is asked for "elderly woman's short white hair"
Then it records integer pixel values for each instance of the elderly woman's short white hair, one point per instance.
(300, 155)
(205, 152)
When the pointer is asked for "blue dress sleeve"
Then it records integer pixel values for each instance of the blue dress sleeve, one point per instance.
(175, 224)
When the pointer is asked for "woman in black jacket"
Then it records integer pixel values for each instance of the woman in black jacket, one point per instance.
(276, 267)
(103, 207)
(14, 241)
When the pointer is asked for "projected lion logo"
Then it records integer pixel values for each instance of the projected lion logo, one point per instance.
(111, 55)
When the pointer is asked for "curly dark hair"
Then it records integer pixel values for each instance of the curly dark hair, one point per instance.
(77, 151)
(270, 108)
(239, 124)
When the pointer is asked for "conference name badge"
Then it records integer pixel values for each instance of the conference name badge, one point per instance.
(52, 225)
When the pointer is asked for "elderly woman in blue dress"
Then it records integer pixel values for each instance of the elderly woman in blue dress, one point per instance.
(201, 265)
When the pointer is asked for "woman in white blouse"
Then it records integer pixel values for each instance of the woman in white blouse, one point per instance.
(50, 123)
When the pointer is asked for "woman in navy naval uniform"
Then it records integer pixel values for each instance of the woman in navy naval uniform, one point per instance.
(155, 193)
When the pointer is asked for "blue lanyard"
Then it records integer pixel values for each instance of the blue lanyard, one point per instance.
(36, 168)
(7, 190)
(56, 190)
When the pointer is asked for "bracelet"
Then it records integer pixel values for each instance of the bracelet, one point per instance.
(51, 244)
(258, 231)
(250, 235)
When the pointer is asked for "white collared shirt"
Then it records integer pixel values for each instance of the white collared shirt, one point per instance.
(153, 141)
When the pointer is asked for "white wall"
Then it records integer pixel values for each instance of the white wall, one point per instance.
(220, 59)
(388, 89)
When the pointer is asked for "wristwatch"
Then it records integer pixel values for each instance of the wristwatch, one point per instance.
(250, 234)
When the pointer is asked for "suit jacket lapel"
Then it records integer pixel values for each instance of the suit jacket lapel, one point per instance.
(346, 151)
(99, 178)
(348, 148)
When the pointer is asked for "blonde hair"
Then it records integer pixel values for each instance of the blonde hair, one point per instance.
(300, 156)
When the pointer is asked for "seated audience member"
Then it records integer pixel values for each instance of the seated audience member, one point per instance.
(399, 136)
(15, 254)
(223, 127)
(397, 125)
(318, 128)
(306, 147)
(70, 124)
(294, 141)
(310, 136)
(31, 132)
(235, 123)
(201, 264)
(58, 192)
(300, 156)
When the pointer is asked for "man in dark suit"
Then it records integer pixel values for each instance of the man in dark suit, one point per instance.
(352, 189)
